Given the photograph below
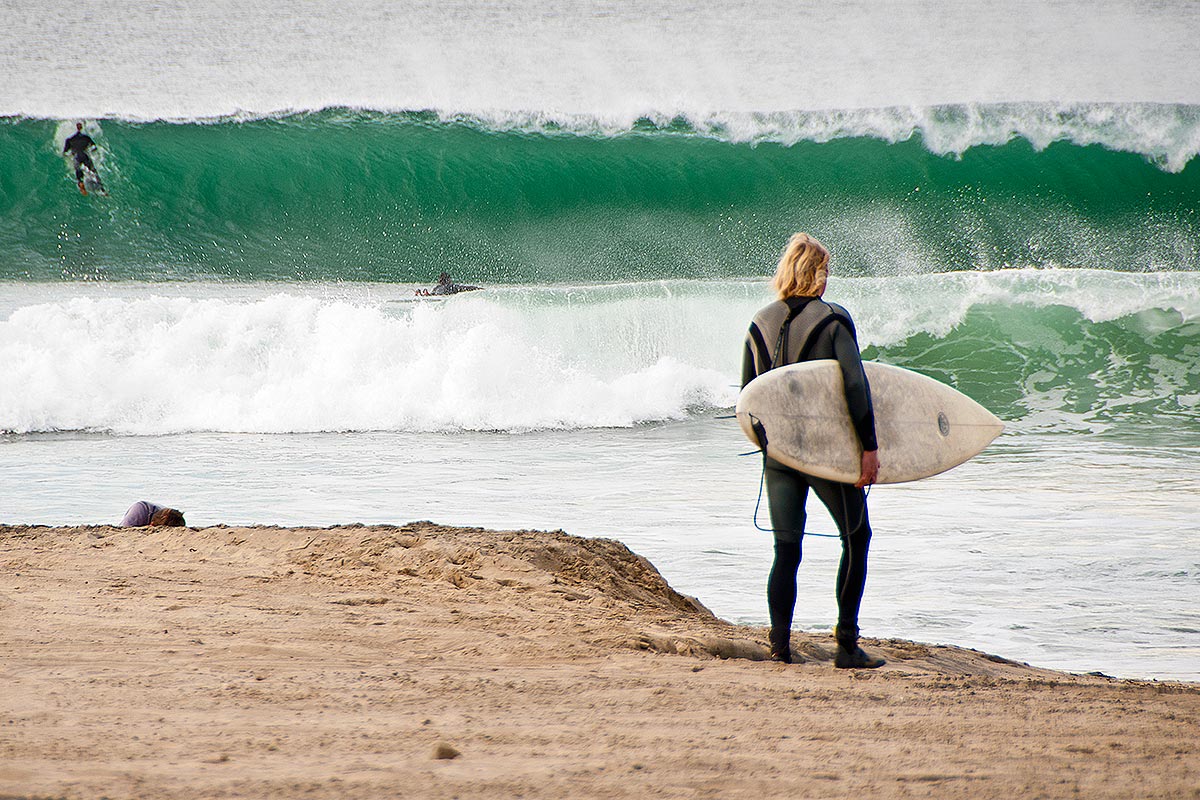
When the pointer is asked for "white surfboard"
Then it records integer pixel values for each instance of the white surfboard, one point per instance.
(923, 426)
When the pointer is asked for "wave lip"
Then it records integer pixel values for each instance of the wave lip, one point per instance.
(1166, 133)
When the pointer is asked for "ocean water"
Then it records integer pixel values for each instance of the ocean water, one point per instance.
(1009, 191)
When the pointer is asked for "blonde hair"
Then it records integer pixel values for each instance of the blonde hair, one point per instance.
(803, 268)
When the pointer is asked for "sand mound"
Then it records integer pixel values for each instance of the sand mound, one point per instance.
(527, 593)
(466, 557)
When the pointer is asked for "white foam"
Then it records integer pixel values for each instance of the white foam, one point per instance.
(134, 360)
(1169, 135)
(289, 363)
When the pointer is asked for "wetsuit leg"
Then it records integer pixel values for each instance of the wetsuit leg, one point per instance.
(787, 493)
(84, 160)
(848, 507)
(781, 588)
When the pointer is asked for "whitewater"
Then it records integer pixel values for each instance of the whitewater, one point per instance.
(523, 358)
(1008, 189)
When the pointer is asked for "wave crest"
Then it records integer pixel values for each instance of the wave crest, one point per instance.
(1168, 134)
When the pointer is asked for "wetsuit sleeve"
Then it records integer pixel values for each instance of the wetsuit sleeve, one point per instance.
(858, 390)
(754, 355)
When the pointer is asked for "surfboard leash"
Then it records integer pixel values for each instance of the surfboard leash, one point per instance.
(762, 480)
(761, 432)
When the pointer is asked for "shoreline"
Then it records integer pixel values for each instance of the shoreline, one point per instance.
(330, 662)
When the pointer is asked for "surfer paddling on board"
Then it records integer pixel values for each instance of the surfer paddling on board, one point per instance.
(446, 286)
(800, 326)
(78, 144)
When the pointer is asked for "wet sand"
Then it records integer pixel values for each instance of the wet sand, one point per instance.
(432, 662)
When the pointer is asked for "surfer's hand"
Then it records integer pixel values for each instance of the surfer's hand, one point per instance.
(870, 468)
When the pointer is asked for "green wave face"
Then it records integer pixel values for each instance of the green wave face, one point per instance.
(340, 195)
(1053, 368)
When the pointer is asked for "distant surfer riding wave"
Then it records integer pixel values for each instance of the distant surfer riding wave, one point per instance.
(446, 286)
(78, 145)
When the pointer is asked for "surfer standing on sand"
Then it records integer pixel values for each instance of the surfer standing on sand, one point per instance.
(799, 326)
(79, 144)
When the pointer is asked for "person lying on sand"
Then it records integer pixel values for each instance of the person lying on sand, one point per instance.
(144, 513)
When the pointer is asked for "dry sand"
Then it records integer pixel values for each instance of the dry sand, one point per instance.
(433, 662)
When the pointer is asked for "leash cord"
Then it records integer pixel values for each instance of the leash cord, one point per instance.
(762, 480)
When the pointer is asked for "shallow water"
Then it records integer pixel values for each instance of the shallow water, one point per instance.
(1064, 552)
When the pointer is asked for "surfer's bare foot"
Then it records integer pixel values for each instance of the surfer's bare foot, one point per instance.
(82, 189)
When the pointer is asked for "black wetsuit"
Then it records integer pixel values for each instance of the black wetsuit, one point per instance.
(78, 145)
(816, 331)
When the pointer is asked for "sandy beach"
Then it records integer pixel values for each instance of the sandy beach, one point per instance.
(432, 662)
